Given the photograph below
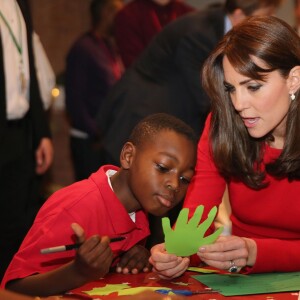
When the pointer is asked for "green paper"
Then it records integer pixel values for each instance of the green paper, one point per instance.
(106, 290)
(229, 285)
(188, 236)
(136, 290)
(201, 270)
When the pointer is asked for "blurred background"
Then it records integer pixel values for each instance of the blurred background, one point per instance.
(59, 23)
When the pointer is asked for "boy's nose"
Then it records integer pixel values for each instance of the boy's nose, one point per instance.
(171, 188)
(173, 184)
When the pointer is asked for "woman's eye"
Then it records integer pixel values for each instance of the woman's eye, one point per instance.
(254, 88)
(185, 180)
(228, 88)
(162, 168)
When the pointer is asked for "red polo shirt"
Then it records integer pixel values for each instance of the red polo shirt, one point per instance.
(90, 203)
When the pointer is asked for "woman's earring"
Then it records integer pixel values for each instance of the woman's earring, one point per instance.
(292, 96)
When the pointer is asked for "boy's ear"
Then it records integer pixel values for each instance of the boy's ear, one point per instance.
(127, 154)
(294, 80)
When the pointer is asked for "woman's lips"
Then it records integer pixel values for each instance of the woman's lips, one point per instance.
(250, 122)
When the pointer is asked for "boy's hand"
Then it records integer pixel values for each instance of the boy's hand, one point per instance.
(94, 256)
(166, 265)
(134, 261)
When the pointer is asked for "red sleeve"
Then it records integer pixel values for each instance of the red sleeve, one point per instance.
(270, 259)
(207, 186)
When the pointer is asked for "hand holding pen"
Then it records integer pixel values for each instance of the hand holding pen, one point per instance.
(94, 257)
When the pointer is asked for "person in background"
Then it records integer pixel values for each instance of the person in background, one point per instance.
(45, 73)
(251, 143)
(166, 78)
(140, 20)
(157, 164)
(93, 66)
(26, 150)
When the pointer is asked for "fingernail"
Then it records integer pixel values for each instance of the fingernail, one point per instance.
(202, 249)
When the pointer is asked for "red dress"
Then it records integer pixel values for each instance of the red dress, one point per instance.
(269, 216)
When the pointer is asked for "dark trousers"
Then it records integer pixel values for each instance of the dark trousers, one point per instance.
(87, 157)
(19, 189)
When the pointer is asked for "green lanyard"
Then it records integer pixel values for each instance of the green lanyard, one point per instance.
(18, 45)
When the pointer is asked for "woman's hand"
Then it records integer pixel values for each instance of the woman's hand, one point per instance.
(229, 251)
(166, 265)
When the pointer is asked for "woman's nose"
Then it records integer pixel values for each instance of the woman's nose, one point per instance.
(239, 102)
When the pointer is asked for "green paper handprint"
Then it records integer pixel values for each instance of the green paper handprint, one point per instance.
(188, 236)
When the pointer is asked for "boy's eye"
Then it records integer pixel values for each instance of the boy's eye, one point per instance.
(161, 168)
(185, 180)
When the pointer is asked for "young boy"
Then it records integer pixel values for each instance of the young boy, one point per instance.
(157, 164)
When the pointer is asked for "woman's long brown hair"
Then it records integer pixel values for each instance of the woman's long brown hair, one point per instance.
(236, 154)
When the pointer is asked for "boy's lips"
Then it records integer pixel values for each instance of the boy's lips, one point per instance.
(166, 200)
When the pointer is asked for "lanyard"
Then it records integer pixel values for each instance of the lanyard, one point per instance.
(22, 78)
(18, 45)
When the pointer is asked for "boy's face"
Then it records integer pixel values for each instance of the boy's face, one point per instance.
(160, 170)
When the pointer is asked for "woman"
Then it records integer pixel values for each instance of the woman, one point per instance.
(251, 143)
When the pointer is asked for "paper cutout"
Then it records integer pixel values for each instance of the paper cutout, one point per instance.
(121, 289)
(188, 236)
(106, 290)
(136, 290)
(180, 283)
(229, 285)
(202, 270)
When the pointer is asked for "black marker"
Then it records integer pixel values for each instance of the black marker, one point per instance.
(74, 246)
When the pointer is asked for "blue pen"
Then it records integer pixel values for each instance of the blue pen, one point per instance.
(184, 292)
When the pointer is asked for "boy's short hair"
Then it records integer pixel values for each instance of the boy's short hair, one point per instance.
(148, 127)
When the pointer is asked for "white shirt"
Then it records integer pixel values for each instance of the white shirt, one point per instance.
(227, 25)
(17, 99)
(110, 173)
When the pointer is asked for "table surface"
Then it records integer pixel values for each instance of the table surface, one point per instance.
(185, 282)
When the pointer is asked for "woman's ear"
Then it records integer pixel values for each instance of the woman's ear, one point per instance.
(294, 80)
(127, 155)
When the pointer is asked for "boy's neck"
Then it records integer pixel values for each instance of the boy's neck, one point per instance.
(123, 192)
